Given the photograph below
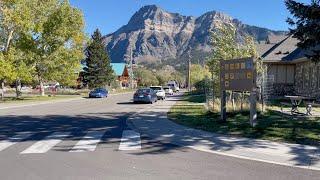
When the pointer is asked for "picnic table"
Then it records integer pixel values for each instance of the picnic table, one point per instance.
(297, 100)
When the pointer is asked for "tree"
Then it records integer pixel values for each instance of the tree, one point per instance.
(198, 73)
(306, 26)
(146, 77)
(54, 40)
(98, 71)
(228, 44)
(15, 18)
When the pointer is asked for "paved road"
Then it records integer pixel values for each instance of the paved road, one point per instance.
(89, 139)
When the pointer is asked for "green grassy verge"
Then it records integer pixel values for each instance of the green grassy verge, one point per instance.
(25, 99)
(271, 126)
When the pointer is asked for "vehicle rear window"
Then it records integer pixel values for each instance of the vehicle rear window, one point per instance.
(99, 90)
(143, 91)
(155, 88)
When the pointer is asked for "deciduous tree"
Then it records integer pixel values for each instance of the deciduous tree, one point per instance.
(55, 41)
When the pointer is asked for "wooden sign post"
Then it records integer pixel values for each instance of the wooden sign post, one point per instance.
(238, 75)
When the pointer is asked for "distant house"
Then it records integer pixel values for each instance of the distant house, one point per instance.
(121, 72)
(290, 71)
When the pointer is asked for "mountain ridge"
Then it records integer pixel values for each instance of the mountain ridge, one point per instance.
(156, 35)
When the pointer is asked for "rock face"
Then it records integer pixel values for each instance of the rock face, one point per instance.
(156, 35)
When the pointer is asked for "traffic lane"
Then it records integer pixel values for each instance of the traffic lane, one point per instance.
(176, 163)
(69, 107)
(73, 116)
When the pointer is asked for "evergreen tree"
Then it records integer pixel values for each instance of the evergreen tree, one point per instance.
(306, 26)
(98, 71)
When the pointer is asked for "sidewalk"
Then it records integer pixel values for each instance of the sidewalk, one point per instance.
(153, 122)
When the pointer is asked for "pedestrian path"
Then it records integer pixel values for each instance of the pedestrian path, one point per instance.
(87, 143)
(155, 124)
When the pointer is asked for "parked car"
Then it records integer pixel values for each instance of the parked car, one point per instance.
(161, 94)
(145, 95)
(168, 90)
(174, 86)
(99, 93)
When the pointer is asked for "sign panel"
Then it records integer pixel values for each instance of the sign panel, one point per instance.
(237, 74)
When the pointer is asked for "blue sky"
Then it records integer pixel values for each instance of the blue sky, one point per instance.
(109, 15)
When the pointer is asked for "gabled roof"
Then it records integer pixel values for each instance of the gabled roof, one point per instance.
(284, 51)
(264, 46)
(118, 68)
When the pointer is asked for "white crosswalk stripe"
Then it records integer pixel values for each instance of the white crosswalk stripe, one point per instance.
(46, 144)
(13, 140)
(89, 142)
(130, 141)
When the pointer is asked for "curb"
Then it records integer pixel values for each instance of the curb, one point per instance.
(131, 125)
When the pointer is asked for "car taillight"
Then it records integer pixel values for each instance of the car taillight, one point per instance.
(135, 94)
(146, 94)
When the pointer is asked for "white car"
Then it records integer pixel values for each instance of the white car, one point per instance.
(174, 86)
(168, 90)
(161, 94)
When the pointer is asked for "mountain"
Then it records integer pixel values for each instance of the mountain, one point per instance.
(156, 35)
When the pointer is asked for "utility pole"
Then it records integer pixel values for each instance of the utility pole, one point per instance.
(131, 69)
(189, 73)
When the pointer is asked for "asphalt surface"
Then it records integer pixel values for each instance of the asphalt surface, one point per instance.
(80, 139)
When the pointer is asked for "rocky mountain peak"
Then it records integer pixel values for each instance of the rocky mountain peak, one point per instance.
(155, 34)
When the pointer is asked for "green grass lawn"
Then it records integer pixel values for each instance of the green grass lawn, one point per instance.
(25, 99)
(272, 125)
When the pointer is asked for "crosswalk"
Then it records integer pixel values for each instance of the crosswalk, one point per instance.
(87, 143)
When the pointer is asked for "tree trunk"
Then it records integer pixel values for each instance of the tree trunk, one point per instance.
(41, 88)
(213, 96)
(231, 97)
(10, 35)
(241, 101)
(18, 88)
(2, 91)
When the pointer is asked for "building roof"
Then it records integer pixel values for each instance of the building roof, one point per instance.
(264, 46)
(118, 68)
(284, 51)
